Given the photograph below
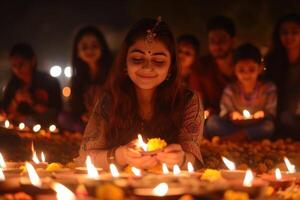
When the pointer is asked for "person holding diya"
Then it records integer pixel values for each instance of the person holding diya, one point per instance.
(248, 106)
(144, 95)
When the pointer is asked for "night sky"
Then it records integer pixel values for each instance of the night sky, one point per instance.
(49, 25)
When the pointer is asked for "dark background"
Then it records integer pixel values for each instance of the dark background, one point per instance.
(49, 26)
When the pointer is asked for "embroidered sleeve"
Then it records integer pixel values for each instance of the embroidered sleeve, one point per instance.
(226, 104)
(271, 101)
(94, 136)
(192, 130)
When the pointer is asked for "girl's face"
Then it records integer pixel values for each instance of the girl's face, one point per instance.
(148, 64)
(247, 72)
(186, 57)
(88, 49)
(22, 67)
(290, 35)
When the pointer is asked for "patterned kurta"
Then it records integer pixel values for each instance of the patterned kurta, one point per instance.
(263, 98)
(94, 140)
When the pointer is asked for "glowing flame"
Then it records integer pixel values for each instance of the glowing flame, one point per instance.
(37, 128)
(141, 143)
(190, 167)
(291, 168)
(32, 147)
(2, 177)
(165, 168)
(114, 171)
(206, 114)
(21, 126)
(246, 114)
(91, 169)
(2, 162)
(35, 159)
(229, 164)
(52, 128)
(161, 189)
(43, 158)
(278, 174)
(62, 192)
(136, 171)
(33, 176)
(6, 124)
(248, 180)
(176, 170)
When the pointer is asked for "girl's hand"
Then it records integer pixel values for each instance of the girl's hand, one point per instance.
(128, 156)
(236, 116)
(259, 115)
(171, 155)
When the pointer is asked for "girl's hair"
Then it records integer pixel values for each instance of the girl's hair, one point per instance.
(247, 52)
(124, 121)
(81, 78)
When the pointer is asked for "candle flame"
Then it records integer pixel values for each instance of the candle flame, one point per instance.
(136, 171)
(35, 159)
(52, 128)
(21, 126)
(278, 174)
(176, 170)
(248, 180)
(43, 158)
(37, 128)
(229, 164)
(291, 168)
(161, 189)
(91, 169)
(62, 192)
(165, 168)
(6, 124)
(32, 147)
(190, 167)
(2, 177)
(141, 142)
(2, 162)
(246, 114)
(114, 171)
(33, 176)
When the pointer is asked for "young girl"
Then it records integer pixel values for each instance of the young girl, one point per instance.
(30, 96)
(144, 96)
(283, 67)
(91, 62)
(246, 94)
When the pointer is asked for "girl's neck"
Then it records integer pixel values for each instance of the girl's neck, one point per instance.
(293, 54)
(93, 70)
(249, 88)
(144, 98)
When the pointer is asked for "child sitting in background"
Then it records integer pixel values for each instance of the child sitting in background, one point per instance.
(247, 95)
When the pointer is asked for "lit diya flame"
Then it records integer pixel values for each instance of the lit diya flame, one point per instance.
(43, 158)
(176, 170)
(165, 169)
(62, 192)
(2, 177)
(37, 128)
(141, 143)
(114, 171)
(248, 180)
(161, 189)
(136, 171)
(246, 114)
(33, 176)
(2, 162)
(278, 175)
(91, 169)
(52, 128)
(6, 124)
(190, 167)
(35, 159)
(291, 168)
(229, 164)
(21, 126)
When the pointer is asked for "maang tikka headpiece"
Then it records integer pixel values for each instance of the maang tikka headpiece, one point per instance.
(151, 32)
